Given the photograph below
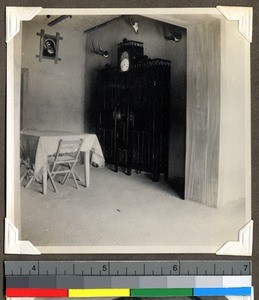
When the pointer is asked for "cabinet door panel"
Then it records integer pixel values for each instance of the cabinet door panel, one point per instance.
(122, 156)
(106, 138)
(141, 148)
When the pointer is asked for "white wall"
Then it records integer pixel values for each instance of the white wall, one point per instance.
(235, 107)
(203, 112)
(55, 91)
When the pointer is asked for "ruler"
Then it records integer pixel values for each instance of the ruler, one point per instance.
(127, 278)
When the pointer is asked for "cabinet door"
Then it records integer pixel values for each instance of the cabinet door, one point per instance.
(106, 106)
(122, 130)
(150, 121)
(141, 124)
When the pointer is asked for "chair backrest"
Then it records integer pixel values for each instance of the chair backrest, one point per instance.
(69, 148)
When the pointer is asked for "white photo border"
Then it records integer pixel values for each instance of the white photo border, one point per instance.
(14, 16)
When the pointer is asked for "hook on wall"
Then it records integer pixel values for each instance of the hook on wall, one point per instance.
(100, 51)
(172, 33)
(133, 24)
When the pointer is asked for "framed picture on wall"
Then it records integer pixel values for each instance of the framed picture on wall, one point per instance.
(49, 45)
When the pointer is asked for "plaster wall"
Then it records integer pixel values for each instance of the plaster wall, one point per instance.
(203, 112)
(55, 91)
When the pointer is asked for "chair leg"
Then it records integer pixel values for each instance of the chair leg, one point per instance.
(52, 181)
(77, 176)
(56, 174)
(24, 175)
(30, 181)
(66, 177)
(74, 177)
(72, 172)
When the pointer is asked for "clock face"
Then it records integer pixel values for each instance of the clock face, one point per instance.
(124, 61)
(124, 65)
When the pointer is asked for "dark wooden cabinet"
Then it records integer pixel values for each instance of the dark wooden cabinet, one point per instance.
(133, 112)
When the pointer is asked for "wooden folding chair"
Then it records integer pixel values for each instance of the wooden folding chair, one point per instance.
(28, 173)
(64, 160)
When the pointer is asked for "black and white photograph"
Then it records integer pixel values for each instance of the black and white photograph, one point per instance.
(49, 46)
(137, 138)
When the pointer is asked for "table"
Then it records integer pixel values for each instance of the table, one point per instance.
(38, 145)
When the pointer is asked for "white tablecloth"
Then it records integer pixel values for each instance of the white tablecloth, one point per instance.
(38, 145)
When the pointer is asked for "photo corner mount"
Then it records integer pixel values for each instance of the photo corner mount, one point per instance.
(16, 14)
(244, 244)
(244, 16)
(12, 243)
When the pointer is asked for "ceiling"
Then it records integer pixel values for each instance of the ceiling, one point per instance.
(86, 22)
(80, 23)
(186, 20)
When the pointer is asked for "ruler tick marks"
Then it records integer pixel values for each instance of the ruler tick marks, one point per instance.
(157, 269)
